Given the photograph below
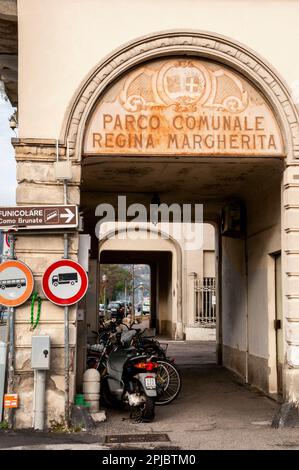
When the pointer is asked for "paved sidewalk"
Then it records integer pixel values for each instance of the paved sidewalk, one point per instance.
(213, 411)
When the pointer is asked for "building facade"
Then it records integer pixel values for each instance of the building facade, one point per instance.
(190, 99)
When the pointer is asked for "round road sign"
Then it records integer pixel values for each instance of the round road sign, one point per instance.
(65, 282)
(16, 283)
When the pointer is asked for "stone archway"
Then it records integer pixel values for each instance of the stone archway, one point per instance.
(34, 155)
(178, 262)
(262, 76)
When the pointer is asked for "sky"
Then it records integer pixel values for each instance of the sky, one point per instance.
(7, 161)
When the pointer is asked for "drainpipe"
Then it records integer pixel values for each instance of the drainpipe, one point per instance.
(39, 399)
(66, 347)
(66, 330)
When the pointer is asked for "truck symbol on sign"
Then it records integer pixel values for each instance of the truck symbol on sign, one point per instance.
(65, 278)
(6, 283)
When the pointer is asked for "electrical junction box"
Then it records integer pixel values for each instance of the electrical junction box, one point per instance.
(63, 170)
(40, 352)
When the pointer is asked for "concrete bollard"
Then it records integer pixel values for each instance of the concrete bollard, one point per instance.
(91, 389)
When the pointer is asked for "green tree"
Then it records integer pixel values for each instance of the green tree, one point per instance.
(117, 275)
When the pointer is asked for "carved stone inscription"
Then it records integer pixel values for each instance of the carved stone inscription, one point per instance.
(183, 107)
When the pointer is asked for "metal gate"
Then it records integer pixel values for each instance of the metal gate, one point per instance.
(205, 301)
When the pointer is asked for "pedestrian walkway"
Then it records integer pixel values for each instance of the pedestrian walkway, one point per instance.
(214, 410)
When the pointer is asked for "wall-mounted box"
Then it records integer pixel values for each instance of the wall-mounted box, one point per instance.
(63, 170)
(40, 352)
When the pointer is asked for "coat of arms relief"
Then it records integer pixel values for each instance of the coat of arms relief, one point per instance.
(185, 86)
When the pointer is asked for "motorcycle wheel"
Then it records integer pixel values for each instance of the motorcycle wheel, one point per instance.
(168, 382)
(144, 413)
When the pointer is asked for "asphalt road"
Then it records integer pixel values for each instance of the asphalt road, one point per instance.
(214, 411)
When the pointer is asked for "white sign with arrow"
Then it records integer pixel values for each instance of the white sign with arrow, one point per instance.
(68, 215)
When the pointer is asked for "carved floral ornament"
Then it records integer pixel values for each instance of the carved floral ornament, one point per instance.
(232, 59)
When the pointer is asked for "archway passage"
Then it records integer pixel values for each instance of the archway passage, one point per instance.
(188, 132)
(201, 149)
(160, 263)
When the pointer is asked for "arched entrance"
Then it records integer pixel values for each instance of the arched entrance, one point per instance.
(165, 260)
(201, 150)
(198, 122)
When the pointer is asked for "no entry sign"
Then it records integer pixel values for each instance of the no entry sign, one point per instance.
(16, 283)
(65, 282)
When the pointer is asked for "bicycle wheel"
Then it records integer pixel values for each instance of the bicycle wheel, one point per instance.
(168, 382)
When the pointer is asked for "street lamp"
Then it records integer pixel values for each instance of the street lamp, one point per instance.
(140, 286)
(104, 280)
(142, 295)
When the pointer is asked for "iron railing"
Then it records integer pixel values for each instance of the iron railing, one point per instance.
(205, 301)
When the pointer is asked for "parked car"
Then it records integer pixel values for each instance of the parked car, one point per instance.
(146, 307)
(116, 310)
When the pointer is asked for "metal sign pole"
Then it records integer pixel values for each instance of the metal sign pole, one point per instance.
(11, 352)
(66, 322)
(66, 366)
(11, 349)
(66, 349)
(2, 374)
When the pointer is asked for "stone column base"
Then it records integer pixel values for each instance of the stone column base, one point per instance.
(179, 333)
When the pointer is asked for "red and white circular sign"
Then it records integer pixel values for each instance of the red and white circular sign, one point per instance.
(65, 282)
(16, 283)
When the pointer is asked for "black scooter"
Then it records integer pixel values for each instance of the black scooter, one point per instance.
(130, 378)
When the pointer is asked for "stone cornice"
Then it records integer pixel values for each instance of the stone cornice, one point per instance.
(43, 150)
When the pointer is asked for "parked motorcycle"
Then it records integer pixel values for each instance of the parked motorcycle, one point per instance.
(130, 378)
(168, 377)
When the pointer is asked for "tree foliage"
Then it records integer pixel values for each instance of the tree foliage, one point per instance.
(117, 276)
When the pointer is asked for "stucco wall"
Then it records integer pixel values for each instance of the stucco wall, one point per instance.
(263, 239)
(39, 252)
(57, 35)
(233, 293)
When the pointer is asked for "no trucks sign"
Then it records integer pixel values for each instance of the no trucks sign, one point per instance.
(38, 217)
(65, 282)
